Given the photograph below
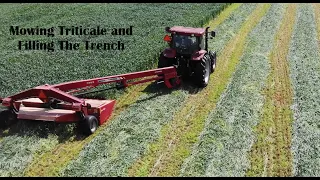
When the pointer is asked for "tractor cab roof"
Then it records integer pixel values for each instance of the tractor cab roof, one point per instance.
(187, 30)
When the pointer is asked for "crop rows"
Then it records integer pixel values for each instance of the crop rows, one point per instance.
(304, 62)
(85, 161)
(258, 116)
(224, 145)
(82, 161)
(227, 29)
(64, 66)
(126, 137)
(164, 159)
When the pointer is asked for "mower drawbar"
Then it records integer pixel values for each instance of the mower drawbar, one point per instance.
(60, 103)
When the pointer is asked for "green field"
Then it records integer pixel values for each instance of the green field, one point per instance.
(26, 69)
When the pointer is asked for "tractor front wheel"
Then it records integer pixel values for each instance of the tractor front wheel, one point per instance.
(7, 118)
(202, 71)
(213, 57)
(89, 125)
(164, 61)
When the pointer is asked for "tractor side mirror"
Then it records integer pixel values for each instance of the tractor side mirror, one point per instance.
(167, 29)
(213, 34)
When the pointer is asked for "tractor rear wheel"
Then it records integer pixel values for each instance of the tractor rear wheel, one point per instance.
(202, 71)
(89, 124)
(7, 118)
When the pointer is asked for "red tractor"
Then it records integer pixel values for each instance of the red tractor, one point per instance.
(188, 50)
(188, 56)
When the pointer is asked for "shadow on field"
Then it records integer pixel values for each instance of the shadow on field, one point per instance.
(42, 129)
(161, 89)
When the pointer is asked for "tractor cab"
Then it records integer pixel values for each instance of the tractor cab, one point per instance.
(188, 51)
(185, 44)
(187, 40)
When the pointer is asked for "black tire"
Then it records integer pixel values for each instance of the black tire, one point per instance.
(213, 57)
(89, 125)
(202, 71)
(7, 118)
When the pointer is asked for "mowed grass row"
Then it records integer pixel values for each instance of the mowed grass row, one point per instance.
(61, 66)
(171, 165)
(227, 24)
(271, 153)
(167, 154)
(224, 144)
(18, 149)
(304, 60)
(127, 136)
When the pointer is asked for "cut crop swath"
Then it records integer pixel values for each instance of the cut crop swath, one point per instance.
(226, 30)
(271, 155)
(224, 145)
(167, 153)
(16, 148)
(126, 137)
(304, 62)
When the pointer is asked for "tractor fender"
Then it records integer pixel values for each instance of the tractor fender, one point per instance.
(198, 55)
(169, 53)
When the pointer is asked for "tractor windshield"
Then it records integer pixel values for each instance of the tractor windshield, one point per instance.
(185, 44)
